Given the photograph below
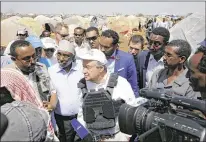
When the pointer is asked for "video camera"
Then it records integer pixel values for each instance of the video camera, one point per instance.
(164, 118)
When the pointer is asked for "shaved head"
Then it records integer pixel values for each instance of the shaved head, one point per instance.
(197, 76)
(195, 59)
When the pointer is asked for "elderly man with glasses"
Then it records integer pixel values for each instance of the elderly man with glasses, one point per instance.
(102, 95)
(61, 32)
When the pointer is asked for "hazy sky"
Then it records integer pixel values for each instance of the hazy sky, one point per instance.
(103, 7)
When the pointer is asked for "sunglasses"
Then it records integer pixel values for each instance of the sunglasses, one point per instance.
(91, 38)
(155, 43)
(50, 49)
(63, 35)
(21, 34)
(78, 34)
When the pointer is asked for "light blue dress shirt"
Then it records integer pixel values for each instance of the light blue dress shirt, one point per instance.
(111, 64)
(67, 91)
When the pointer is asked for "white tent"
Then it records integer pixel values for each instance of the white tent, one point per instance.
(191, 29)
(42, 19)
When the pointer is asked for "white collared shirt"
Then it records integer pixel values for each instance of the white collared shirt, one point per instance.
(122, 91)
(82, 49)
(153, 65)
(164, 24)
(68, 93)
(111, 64)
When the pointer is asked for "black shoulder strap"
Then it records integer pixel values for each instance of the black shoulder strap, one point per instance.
(112, 82)
(82, 85)
(147, 60)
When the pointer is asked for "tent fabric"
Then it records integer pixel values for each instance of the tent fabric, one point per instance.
(191, 29)
(32, 24)
(9, 29)
(42, 19)
(69, 21)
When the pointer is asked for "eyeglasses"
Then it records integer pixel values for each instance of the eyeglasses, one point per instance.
(49, 49)
(91, 38)
(28, 58)
(78, 34)
(88, 67)
(155, 43)
(168, 55)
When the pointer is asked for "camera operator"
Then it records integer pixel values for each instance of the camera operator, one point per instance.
(171, 118)
(173, 77)
(197, 70)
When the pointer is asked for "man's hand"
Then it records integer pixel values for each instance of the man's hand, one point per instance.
(47, 105)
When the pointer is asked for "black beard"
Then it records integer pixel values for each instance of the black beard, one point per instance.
(29, 70)
(195, 85)
(158, 55)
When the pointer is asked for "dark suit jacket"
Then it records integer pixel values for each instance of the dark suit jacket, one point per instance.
(125, 66)
(142, 63)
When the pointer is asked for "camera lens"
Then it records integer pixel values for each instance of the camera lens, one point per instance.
(134, 120)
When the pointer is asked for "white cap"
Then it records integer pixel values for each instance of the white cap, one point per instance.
(49, 43)
(96, 55)
(22, 30)
(65, 45)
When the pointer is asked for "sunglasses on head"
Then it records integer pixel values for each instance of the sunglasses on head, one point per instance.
(91, 38)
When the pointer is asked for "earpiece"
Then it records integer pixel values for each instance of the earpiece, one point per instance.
(13, 58)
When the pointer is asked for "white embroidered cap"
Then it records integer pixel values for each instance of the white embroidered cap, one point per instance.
(96, 55)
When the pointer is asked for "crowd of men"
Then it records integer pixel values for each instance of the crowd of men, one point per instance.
(46, 83)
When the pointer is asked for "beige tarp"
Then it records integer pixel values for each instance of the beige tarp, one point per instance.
(121, 24)
(72, 20)
(55, 20)
(32, 24)
(9, 29)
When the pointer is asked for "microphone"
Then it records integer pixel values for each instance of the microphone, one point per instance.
(82, 132)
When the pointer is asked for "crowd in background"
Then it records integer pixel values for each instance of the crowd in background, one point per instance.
(40, 94)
